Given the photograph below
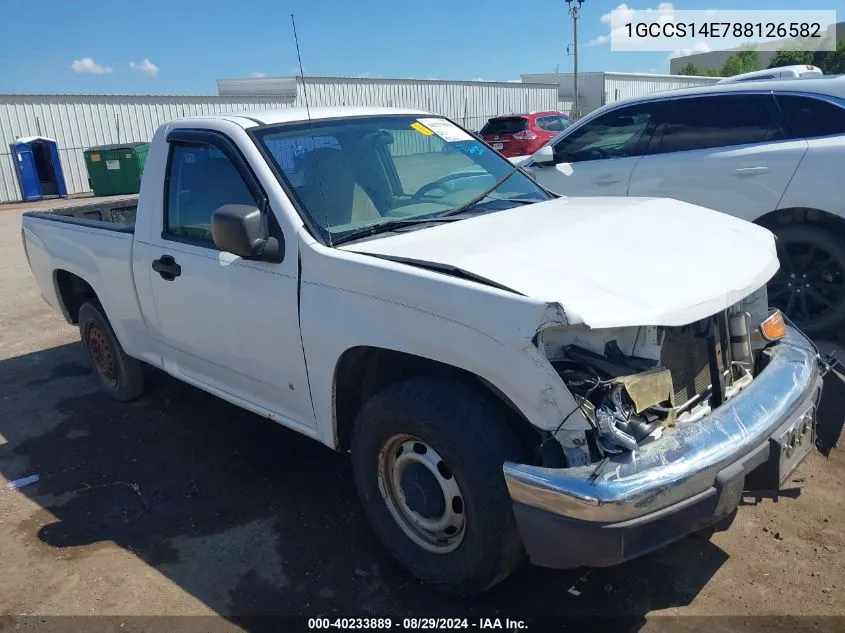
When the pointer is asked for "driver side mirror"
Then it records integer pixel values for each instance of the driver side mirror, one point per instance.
(240, 229)
(545, 156)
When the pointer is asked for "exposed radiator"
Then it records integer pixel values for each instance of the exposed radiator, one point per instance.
(686, 356)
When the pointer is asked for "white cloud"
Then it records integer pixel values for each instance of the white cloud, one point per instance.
(145, 66)
(698, 47)
(257, 75)
(626, 13)
(88, 65)
(664, 13)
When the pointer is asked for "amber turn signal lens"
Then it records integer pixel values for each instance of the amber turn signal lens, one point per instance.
(773, 328)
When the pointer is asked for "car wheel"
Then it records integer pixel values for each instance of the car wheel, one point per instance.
(809, 287)
(427, 457)
(121, 376)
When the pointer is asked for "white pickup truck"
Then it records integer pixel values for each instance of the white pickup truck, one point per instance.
(513, 373)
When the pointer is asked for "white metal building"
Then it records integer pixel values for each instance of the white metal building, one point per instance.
(78, 122)
(469, 103)
(598, 89)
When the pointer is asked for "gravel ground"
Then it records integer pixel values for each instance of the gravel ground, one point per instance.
(183, 504)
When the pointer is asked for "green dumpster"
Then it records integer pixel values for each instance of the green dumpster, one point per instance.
(116, 169)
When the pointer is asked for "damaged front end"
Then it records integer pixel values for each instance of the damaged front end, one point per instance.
(632, 384)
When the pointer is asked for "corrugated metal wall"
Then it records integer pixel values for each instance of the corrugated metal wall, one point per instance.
(469, 103)
(623, 85)
(81, 121)
(598, 89)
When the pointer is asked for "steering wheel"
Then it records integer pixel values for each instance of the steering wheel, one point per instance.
(442, 184)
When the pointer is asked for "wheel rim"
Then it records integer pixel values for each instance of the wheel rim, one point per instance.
(101, 354)
(421, 493)
(809, 284)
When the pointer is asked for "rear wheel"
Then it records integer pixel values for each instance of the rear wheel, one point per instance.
(427, 456)
(121, 376)
(809, 287)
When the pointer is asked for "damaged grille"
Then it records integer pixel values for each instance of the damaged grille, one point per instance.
(686, 353)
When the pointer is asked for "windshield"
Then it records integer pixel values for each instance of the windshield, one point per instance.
(351, 175)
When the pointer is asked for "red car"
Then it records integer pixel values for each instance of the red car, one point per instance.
(522, 134)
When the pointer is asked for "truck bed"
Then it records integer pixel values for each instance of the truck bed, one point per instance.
(112, 215)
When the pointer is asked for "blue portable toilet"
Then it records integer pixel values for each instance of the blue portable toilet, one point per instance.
(38, 167)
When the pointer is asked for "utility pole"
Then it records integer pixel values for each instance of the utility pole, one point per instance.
(575, 11)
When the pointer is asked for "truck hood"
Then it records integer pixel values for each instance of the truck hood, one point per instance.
(608, 262)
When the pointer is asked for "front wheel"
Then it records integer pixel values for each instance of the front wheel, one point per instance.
(427, 456)
(809, 287)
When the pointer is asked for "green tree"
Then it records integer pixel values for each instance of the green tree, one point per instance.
(788, 57)
(713, 72)
(689, 69)
(831, 62)
(744, 61)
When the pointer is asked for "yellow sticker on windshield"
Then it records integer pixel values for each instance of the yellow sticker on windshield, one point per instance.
(419, 127)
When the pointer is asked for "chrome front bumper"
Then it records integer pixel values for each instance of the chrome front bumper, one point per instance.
(687, 464)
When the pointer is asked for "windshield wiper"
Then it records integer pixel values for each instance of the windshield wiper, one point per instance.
(481, 196)
(386, 227)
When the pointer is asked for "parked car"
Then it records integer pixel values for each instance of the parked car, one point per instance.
(581, 380)
(765, 151)
(523, 134)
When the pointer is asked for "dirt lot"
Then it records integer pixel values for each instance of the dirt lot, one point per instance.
(183, 504)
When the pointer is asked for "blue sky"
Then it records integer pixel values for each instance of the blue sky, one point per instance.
(183, 46)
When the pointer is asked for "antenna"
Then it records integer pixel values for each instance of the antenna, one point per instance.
(311, 128)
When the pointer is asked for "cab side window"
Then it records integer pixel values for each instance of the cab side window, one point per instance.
(200, 178)
(721, 121)
(616, 134)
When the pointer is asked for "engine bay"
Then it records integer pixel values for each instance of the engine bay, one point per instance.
(634, 384)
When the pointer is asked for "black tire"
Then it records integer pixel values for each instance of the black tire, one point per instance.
(121, 376)
(815, 255)
(468, 431)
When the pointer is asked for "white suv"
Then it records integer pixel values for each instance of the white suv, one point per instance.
(772, 152)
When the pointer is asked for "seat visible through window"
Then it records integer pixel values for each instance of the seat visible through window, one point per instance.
(337, 200)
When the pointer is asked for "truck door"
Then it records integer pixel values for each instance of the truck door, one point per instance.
(224, 322)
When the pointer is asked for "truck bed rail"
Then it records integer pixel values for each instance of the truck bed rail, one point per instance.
(111, 216)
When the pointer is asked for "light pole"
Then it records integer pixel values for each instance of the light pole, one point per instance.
(574, 11)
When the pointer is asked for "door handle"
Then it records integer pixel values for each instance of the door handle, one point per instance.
(167, 267)
(607, 180)
(749, 171)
